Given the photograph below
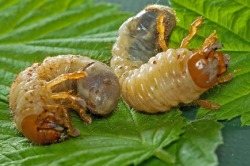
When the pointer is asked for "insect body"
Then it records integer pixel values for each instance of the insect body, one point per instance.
(41, 95)
(155, 83)
(138, 38)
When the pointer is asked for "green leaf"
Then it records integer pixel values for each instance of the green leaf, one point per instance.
(43, 28)
(196, 146)
(124, 138)
(199, 133)
(231, 21)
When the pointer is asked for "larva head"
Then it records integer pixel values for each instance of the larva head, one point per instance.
(100, 90)
(39, 131)
(207, 65)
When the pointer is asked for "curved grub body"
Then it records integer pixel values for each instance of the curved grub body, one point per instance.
(154, 78)
(42, 94)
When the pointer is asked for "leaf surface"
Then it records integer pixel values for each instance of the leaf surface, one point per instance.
(196, 146)
(124, 138)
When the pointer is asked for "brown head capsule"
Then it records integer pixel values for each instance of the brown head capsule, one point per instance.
(154, 78)
(207, 65)
(42, 95)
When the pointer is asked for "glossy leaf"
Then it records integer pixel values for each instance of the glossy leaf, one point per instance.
(196, 146)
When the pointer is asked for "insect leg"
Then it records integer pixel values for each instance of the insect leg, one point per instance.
(74, 104)
(228, 77)
(192, 31)
(206, 104)
(161, 30)
(210, 44)
(66, 76)
(66, 120)
(47, 121)
(55, 120)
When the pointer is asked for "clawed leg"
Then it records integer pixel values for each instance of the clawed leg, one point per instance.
(161, 30)
(206, 104)
(48, 120)
(74, 104)
(65, 77)
(228, 77)
(58, 119)
(210, 44)
(66, 120)
(192, 31)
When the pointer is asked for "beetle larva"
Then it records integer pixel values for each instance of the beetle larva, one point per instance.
(41, 96)
(155, 83)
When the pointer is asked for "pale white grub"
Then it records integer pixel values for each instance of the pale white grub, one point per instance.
(42, 95)
(154, 78)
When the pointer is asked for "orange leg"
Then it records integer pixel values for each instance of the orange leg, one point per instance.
(210, 42)
(47, 121)
(192, 31)
(66, 120)
(206, 104)
(228, 77)
(161, 31)
(60, 116)
(74, 104)
(65, 77)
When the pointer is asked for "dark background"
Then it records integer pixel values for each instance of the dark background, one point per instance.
(134, 5)
(236, 148)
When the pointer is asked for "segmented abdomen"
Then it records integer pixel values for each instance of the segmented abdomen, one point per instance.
(27, 94)
(161, 83)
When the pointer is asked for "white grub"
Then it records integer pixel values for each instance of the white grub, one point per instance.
(154, 78)
(43, 94)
